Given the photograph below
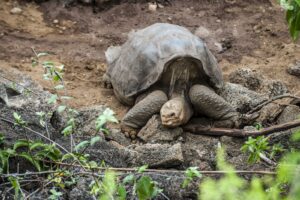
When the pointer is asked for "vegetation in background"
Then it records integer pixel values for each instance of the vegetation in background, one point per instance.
(292, 8)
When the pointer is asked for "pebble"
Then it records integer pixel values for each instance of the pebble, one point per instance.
(126, 134)
(294, 69)
(63, 28)
(160, 5)
(152, 7)
(55, 21)
(202, 32)
(16, 11)
(218, 20)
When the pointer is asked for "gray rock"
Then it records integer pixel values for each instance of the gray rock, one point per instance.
(199, 150)
(155, 132)
(247, 78)
(3, 94)
(117, 136)
(269, 113)
(158, 155)
(275, 88)
(81, 191)
(290, 113)
(16, 11)
(240, 97)
(110, 154)
(294, 69)
(202, 32)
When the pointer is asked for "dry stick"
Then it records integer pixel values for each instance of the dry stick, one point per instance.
(271, 100)
(166, 171)
(199, 129)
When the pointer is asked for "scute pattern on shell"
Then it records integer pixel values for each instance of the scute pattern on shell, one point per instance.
(139, 62)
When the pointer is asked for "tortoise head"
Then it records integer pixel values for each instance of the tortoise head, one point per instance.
(176, 112)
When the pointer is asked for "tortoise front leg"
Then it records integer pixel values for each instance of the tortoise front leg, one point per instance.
(141, 112)
(206, 101)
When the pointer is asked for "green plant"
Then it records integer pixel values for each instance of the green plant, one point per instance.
(259, 147)
(190, 174)
(255, 147)
(285, 185)
(292, 8)
(106, 116)
(33, 151)
(54, 194)
(16, 185)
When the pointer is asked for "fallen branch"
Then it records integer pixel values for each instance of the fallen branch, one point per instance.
(199, 129)
(134, 170)
(258, 107)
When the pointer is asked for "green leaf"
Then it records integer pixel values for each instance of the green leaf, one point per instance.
(296, 136)
(34, 63)
(59, 87)
(48, 64)
(21, 143)
(16, 185)
(122, 192)
(106, 116)
(28, 157)
(95, 139)
(42, 54)
(67, 156)
(190, 173)
(109, 185)
(61, 108)
(129, 179)
(53, 99)
(40, 114)
(142, 168)
(67, 131)
(36, 145)
(93, 164)
(146, 188)
(81, 145)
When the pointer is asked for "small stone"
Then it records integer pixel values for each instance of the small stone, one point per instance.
(133, 136)
(294, 69)
(55, 21)
(61, 32)
(118, 136)
(126, 134)
(155, 132)
(240, 97)
(218, 20)
(16, 11)
(152, 7)
(170, 18)
(202, 32)
(64, 28)
(246, 77)
(160, 5)
(159, 155)
(289, 114)
(276, 88)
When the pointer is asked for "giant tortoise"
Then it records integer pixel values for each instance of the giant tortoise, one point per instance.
(166, 69)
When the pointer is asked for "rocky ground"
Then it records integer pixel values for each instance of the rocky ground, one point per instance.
(249, 38)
